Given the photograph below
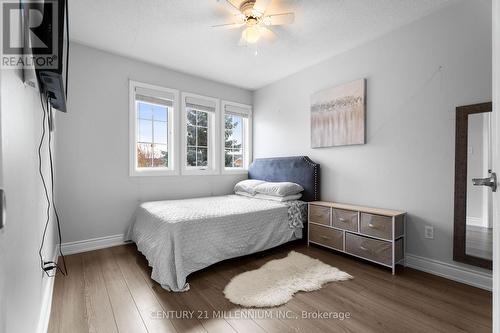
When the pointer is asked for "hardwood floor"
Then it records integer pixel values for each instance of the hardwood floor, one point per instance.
(110, 290)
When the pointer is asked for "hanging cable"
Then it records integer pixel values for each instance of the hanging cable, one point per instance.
(40, 171)
(49, 107)
(48, 266)
(47, 120)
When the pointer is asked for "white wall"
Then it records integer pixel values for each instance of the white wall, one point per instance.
(24, 281)
(96, 195)
(416, 76)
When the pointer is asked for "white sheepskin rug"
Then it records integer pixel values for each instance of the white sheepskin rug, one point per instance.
(276, 281)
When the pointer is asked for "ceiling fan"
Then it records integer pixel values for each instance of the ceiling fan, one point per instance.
(252, 16)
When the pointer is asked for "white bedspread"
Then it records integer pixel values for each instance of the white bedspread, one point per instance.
(179, 237)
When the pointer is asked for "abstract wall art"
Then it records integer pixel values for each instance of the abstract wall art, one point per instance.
(338, 115)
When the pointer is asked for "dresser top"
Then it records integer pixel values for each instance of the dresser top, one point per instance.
(370, 210)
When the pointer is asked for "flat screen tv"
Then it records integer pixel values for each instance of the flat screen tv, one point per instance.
(46, 41)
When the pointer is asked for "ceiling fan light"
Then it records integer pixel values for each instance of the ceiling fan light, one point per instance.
(266, 20)
(251, 34)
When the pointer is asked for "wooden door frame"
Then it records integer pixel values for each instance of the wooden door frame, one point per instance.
(459, 229)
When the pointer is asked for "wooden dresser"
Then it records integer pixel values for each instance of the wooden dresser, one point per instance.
(373, 234)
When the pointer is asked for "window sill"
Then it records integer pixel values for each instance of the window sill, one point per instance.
(199, 172)
(234, 172)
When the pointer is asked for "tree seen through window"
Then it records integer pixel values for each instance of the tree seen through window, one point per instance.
(197, 138)
(233, 147)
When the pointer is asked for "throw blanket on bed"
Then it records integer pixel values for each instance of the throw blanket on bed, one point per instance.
(179, 237)
(297, 213)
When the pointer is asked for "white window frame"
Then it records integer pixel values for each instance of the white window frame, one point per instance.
(173, 133)
(247, 139)
(213, 139)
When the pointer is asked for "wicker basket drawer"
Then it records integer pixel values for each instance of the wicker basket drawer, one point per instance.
(345, 219)
(376, 226)
(368, 248)
(326, 236)
(319, 214)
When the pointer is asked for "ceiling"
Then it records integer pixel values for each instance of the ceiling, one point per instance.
(176, 33)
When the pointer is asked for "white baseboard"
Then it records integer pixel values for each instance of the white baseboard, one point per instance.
(46, 305)
(450, 271)
(92, 244)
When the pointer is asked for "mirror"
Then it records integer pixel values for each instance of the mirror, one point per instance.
(479, 209)
(473, 243)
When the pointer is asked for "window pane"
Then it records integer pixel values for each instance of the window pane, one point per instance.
(191, 156)
(233, 141)
(160, 156)
(197, 140)
(228, 158)
(144, 155)
(202, 136)
(160, 113)
(144, 110)
(191, 117)
(238, 161)
(238, 130)
(228, 142)
(202, 157)
(228, 121)
(191, 136)
(145, 131)
(202, 119)
(153, 133)
(160, 132)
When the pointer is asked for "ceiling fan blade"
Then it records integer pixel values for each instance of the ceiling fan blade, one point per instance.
(279, 19)
(231, 4)
(268, 34)
(228, 25)
(261, 6)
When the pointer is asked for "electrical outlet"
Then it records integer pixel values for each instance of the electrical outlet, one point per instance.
(429, 232)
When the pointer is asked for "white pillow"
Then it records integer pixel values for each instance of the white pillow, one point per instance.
(276, 198)
(279, 189)
(247, 186)
(245, 194)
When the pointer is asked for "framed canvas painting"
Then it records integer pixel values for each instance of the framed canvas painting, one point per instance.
(338, 115)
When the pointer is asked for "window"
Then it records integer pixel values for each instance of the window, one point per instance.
(236, 139)
(152, 135)
(200, 128)
(188, 134)
(197, 137)
(152, 118)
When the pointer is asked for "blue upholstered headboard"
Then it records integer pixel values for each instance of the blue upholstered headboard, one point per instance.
(297, 169)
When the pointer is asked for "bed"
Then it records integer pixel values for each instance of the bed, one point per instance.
(179, 237)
